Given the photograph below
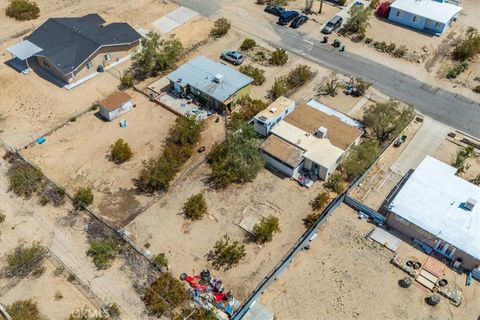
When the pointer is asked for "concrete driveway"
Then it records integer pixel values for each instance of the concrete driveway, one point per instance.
(424, 143)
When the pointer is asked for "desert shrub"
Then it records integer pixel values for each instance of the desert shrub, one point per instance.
(227, 253)
(357, 23)
(330, 86)
(279, 88)
(380, 46)
(25, 310)
(263, 231)
(368, 40)
(58, 296)
(248, 44)
(279, 57)
(391, 47)
(195, 207)
(320, 201)
(469, 47)
(360, 158)
(2, 217)
(460, 157)
(83, 198)
(400, 52)
(257, 74)
(161, 260)
(236, 160)
(249, 108)
(387, 119)
(50, 193)
(73, 119)
(22, 10)
(157, 174)
(113, 310)
(23, 259)
(457, 68)
(164, 294)
(335, 183)
(310, 219)
(374, 4)
(476, 89)
(298, 76)
(127, 80)
(38, 271)
(120, 151)
(195, 313)
(103, 252)
(24, 179)
(220, 28)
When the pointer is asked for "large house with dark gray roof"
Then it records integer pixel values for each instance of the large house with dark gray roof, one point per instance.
(74, 48)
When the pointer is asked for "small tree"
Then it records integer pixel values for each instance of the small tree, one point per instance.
(23, 259)
(257, 74)
(263, 231)
(310, 219)
(299, 76)
(249, 108)
(127, 80)
(469, 47)
(320, 201)
(195, 207)
(24, 179)
(279, 88)
(226, 253)
(279, 57)
(360, 158)
(22, 10)
(83, 198)
(335, 183)
(387, 119)
(25, 310)
(164, 295)
(120, 151)
(248, 44)
(220, 28)
(358, 21)
(330, 86)
(103, 252)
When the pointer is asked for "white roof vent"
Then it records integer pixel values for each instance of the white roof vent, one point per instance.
(273, 110)
(321, 133)
(218, 78)
(470, 204)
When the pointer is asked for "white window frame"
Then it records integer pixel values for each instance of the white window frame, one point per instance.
(89, 65)
(107, 57)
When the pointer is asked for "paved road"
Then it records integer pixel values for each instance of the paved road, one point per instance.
(443, 106)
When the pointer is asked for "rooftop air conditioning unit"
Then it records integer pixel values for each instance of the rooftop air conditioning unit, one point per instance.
(218, 78)
(470, 204)
(273, 110)
(321, 133)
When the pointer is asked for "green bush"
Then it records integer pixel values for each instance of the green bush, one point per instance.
(279, 57)
(157, 174)
(195, 207)
(310, 219)
(476, 89)
(248, 44)
(360, 158)
(83, 198)
(335, 183)
(22, 10)
(25, 310)
(263, 232)
(103, 252)
(368, 40)
(298, 76)
(257, 74)
(227, 253)
(22, 260)
(127, 80)
(24, 179)
(120, 151)
(238, 159)
(320, 201)
(220, 28)
(161, 260)
(249, 108)
(279, 88)
(455, 71)
(400, 52)
(469, 47)
(164, 295)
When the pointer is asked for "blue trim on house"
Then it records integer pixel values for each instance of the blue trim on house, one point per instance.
(417, 22)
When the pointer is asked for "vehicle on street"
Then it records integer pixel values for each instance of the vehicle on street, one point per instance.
(332, 25)
(286, 17)
(232, 56)
(275, 10)
(298, 21)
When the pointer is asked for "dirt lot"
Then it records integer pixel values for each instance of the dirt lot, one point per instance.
(43, 291)
(186, 243)
(345, 276)
(77, 155)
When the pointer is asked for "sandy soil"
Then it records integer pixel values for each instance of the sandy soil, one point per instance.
(77, 155)
(345, 276)
(43, 290)
(186, 243)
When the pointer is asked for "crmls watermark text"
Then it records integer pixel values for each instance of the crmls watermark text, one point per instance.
(86, 313)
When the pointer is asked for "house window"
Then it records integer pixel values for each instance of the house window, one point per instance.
(107, 57)
(89, 66)
(414, 19)
(437, 24)
(398, 13)
(441, 245)
(449, 251)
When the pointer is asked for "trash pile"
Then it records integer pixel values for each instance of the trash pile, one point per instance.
(208, 292)
(451, 292)
(410, 268)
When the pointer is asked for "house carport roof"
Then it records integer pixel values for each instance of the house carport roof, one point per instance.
(430, 9)
(24, 50)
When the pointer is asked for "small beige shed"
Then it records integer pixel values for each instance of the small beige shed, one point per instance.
(115, 105)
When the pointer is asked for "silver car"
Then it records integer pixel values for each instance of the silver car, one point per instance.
(234, 57)
(332, 25)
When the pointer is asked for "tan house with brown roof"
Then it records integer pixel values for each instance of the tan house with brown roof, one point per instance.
(309, 142)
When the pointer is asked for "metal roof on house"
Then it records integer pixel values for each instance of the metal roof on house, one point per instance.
(283, 150)
(200, 73)
(430, 9)
(433, 198)
(24, 50)
(68, 42)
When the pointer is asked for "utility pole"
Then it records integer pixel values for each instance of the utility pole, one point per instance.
(321, 7)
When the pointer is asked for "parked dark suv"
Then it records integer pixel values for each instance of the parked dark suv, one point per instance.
(275, 10)
(286, 17)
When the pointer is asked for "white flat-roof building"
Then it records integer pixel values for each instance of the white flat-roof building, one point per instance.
(277, 111)
(440, 210)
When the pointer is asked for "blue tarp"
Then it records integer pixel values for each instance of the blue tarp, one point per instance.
(40, 140)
